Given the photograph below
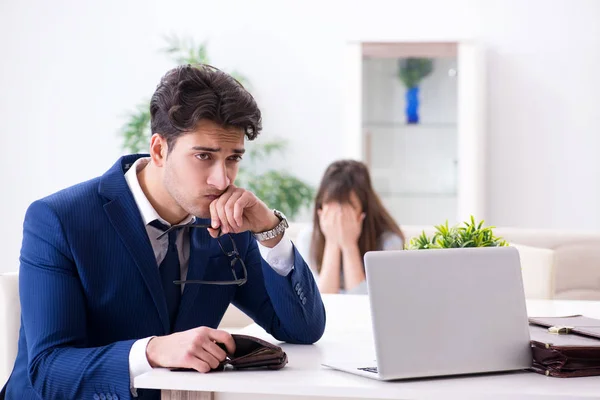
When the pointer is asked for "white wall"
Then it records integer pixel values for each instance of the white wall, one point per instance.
(70, 69)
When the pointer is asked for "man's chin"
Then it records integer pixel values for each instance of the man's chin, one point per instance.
(200, 208)
(201, 212)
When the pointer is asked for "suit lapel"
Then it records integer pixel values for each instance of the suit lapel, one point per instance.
(125, 217)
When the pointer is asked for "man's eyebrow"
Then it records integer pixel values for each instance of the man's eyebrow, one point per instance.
(209, 149)
(216, 149)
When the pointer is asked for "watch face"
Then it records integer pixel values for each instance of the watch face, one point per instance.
(279, 214)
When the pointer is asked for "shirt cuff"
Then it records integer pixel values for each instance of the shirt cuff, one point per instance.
(280, 257)
(138, 362)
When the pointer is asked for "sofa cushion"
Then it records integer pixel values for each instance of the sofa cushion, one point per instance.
(537, 268)
(578, 271)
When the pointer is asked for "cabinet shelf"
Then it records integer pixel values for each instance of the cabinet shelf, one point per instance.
(418, 194)
(391, 124)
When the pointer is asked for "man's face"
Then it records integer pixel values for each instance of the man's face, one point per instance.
(201, 165)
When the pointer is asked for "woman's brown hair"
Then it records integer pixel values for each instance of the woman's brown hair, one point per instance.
(340, 180)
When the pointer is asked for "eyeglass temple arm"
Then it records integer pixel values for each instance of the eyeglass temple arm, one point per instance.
(187, 225)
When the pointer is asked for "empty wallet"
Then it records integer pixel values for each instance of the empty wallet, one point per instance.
(565, 346)
(250, 352)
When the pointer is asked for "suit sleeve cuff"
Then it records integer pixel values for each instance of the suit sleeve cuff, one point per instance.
(280, 257)
(138, 362)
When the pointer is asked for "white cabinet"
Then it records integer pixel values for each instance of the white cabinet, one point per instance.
(431, 171)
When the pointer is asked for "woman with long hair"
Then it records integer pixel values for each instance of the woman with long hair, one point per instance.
(349, 220)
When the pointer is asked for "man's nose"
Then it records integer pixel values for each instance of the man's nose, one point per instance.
(218, 177)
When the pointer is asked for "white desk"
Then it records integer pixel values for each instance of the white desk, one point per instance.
(348, 318)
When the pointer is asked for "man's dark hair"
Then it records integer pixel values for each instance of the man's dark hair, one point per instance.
(190, 93)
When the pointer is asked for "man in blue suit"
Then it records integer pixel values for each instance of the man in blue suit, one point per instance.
(99, 260)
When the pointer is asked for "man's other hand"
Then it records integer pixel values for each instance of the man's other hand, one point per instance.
(195, 348)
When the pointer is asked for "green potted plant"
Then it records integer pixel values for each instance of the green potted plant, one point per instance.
(472, 234)
(278, 189)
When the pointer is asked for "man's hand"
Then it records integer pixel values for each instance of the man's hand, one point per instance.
(196, 348)
(238, 210)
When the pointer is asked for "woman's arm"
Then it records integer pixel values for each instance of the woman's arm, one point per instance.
(350, 224)
(354, 271)
(329, 277)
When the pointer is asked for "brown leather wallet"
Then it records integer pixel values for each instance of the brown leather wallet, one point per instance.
(565, 346)
(250, 352)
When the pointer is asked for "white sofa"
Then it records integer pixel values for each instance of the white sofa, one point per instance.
(10, 314)
(555, 264)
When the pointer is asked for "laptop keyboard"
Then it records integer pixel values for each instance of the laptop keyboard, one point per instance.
(369, 369)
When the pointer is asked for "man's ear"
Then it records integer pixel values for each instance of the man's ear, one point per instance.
(158, 149)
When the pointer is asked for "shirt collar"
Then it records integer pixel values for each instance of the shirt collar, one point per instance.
(148, 212)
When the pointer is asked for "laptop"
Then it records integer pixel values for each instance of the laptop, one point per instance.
(444, 312)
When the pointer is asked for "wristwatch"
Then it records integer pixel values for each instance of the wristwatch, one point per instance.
(273, 233)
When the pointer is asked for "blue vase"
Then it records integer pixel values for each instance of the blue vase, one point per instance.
(412, 105)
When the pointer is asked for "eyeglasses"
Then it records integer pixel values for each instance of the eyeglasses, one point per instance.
(233, 254)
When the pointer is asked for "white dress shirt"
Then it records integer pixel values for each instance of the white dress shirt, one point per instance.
(280, 257)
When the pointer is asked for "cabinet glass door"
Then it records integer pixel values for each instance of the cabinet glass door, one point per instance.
(409, 123)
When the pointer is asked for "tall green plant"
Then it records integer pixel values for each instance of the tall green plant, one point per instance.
(278, 189)
(136, 131)
(472, 234)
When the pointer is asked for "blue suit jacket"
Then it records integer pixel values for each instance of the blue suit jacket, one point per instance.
(90, 287)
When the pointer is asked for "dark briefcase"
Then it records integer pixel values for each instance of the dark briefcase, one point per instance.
(565, 346)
